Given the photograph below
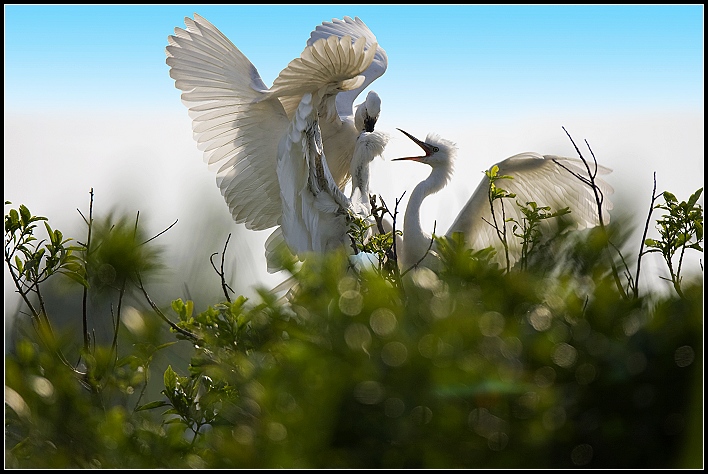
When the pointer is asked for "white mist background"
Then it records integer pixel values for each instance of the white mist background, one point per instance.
(105, 116)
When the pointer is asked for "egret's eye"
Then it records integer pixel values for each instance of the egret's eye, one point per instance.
(436, 149)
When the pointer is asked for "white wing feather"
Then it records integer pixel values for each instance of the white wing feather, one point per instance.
(269, 153)
(332, 61)
(355, 29)
(545, 179)
(234, 123)
(314, 208)
(238, 121)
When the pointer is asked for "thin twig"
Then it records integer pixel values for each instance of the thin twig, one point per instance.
(599, 196)
(38, 321)
(155, 308)
(224, 286)
(654, 197)
(393, 255)
(599, 199)
(159, 234)
(85, 291)
(378, 212)
(501, 234)
(395, 213)
(375, 210)
(114, 345)
(630, 281)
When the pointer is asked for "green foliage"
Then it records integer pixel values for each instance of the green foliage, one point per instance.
(118, 253)
(375, 245)
(529, 230)
(378, 244)
(473, 366)
(32, 261)
(680, 229)
(496, 193)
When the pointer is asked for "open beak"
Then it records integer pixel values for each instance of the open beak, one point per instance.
(427, 148)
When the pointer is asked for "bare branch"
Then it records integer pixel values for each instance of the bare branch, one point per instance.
(395, 213)
(599, 199)
(630, 281)
(224, 286)
(157, 235)
(84, 303)
(114, 344)
(378, 212)
(155, 308)
(654, 197)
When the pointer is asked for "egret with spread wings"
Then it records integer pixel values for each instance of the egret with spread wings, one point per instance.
(288, 148)
(545, 179)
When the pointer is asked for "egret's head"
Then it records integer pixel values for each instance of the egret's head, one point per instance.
(439, 153)
(373, 104)
(367, 113)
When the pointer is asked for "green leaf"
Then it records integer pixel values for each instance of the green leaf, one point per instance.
(694, 197)
(76, 277)
(167, 344)
(170, 379)
(14, 217)
(151, 405)
(25, 214)
(50, 232)
(183, 310)
(651, 243)
(669, 198)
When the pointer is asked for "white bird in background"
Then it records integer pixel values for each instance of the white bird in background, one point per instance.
(283, 154)
(544, 179)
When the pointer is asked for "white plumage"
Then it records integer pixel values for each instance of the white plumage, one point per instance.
(544, 179)
(273, 146)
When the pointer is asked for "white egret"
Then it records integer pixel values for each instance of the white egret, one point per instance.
(544, 179)
(263, 140)
(316, 213)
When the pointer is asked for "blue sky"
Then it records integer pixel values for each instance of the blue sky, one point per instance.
(89, 101)
(86, 56)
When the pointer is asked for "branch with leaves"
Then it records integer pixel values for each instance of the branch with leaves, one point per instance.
(496, 193)
(680, 229)
(528, 230)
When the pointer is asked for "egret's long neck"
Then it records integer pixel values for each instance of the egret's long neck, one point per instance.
(415, 241)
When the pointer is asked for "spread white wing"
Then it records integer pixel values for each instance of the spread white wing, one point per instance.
(268, 145)
(544, 179)
(355, 29)
(235, 123)
(324, 66)
(238, 122)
